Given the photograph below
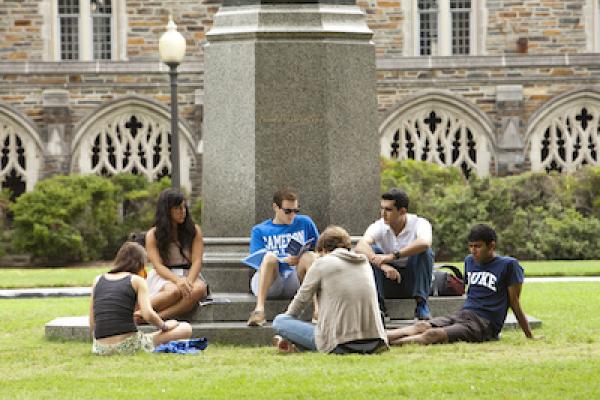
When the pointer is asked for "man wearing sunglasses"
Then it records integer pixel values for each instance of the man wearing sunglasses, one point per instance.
(280, 274)
(404, 267)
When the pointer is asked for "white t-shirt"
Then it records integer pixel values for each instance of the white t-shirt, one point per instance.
(384, 237)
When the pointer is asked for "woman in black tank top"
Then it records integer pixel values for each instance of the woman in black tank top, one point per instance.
(113, 301)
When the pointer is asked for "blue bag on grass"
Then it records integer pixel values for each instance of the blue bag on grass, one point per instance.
(191, 346)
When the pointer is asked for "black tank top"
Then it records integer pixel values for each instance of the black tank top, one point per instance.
(114, 303)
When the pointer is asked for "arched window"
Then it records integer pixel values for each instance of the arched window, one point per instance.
(441, 130)
(131, 136)
(20, 153)
(565, 134)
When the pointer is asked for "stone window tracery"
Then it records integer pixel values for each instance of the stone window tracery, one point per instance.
(567, 139)
(18, 158)
(131, 136)
(438, 134)
(132, 142)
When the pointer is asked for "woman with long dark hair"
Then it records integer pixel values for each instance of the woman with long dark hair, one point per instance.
(114, 298)
(175, 249)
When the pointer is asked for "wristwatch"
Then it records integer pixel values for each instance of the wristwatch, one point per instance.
(397, 255)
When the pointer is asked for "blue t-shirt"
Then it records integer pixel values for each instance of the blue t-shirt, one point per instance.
(275, 237)
(487, 295)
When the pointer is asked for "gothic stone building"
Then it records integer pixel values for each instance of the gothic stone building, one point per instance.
(491, 86)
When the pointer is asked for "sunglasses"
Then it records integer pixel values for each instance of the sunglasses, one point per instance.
(288, 211)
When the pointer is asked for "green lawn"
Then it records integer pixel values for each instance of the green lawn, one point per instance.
(564, 365)
(55, 277)
(553, 267)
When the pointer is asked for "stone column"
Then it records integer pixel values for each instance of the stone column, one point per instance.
(57, 134)
(290, 99)
(511, 146)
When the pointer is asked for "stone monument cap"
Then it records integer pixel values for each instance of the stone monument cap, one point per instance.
(233, 3)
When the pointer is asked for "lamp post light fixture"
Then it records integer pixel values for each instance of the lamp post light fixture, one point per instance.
(171, 48)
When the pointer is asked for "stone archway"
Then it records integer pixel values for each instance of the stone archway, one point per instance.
(21, 152)
(442, 129)
(131, 135)
(564, 134)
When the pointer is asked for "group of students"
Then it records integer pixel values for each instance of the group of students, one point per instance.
(346, 287)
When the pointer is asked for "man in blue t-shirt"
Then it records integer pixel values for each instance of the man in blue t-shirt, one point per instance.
(280, 274)
(494, 284)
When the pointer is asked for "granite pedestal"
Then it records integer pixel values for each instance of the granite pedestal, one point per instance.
(290, 100)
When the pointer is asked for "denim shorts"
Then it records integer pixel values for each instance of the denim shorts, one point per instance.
(137, 342)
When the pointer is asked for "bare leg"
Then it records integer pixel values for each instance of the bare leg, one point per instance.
(430, 336)
(180, 332)
(269, 268)
(185, 304)
(168, 296)
(302, 268)
(304, 264)
(415, 329)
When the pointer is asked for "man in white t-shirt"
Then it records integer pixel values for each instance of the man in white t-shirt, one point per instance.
(406, 261)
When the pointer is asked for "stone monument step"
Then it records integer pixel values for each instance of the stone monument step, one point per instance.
(237, 307)
(237, 333)
(228, 280)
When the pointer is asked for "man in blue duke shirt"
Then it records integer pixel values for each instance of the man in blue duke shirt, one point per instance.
(494, 284)
(280, 274)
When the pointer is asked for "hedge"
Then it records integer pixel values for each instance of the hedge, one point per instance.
(82, 218)
(536, 215)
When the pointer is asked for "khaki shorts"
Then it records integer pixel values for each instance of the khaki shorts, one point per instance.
(464, 326)
(281, 288)
(137, 342)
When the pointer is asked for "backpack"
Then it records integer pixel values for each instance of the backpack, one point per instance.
(446, 283)
(138, 237)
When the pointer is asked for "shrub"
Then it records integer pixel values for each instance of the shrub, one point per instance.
(66, 218)
(536, 215)
(81, 218)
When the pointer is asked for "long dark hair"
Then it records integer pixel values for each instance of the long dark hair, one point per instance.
(186, 231)
(131, 258)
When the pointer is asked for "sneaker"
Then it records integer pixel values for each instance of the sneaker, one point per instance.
(422, 310)
(257, 318)
(284, 345)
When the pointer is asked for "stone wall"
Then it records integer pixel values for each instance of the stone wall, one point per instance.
(21, 24)
(550, 26)
(476, 79)
(147, 21)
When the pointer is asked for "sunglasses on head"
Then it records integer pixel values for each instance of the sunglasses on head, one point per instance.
(288, 211)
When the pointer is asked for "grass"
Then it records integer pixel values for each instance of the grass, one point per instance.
(56, 277)
(563, 365)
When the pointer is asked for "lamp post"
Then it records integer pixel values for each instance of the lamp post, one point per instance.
(171, 47)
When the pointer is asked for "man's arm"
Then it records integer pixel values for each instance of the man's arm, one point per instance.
(379, 260)
(417, 246)
(514, 293)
